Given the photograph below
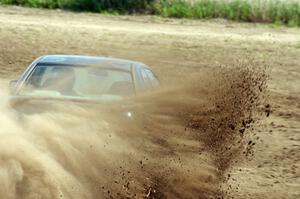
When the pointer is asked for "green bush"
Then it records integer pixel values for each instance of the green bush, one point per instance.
(276, 11)
(272, 11)
(122, 6)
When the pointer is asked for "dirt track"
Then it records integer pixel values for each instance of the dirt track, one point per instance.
(174, 49)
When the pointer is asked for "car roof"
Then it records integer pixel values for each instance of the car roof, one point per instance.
(121, 64)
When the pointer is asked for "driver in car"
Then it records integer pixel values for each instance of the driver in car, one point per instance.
(62, 81)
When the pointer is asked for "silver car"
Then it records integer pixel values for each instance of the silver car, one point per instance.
(64, 78)
(83, 78)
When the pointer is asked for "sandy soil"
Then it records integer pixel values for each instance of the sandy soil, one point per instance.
(175, 49)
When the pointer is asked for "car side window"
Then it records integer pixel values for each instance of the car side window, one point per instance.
(143, 80)
(146, 78)
(153, 80)
(37, 76)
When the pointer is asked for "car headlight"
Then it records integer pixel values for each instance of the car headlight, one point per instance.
(129, 114)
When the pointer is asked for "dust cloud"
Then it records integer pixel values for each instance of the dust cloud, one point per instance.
(178, 143)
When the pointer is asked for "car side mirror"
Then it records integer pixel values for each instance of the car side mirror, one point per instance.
(13, 86)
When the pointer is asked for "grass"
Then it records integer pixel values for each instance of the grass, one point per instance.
(272, 11)
(268, 11)
(108, 6)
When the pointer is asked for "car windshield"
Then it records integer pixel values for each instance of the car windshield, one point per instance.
(89, 82)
